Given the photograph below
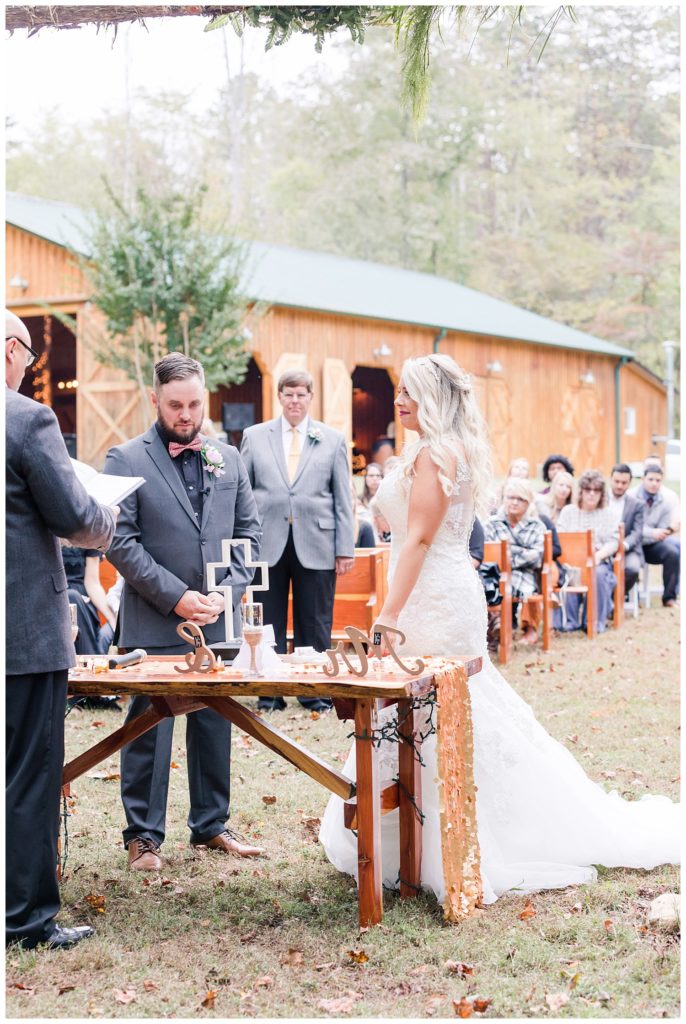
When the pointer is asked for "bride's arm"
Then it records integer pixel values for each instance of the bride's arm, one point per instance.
(427, 509)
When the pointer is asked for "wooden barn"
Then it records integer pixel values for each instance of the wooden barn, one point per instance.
(543, 386)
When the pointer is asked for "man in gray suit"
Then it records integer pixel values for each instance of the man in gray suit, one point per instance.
(630, 511)
(44, 501)
(167, 533)
(299, 471)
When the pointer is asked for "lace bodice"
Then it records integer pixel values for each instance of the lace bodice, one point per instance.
(446, 612)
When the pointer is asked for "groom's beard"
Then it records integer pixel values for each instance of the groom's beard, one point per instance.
(181, 433)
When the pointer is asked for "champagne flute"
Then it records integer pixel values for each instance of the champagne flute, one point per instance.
(253, 629)
(73, 622)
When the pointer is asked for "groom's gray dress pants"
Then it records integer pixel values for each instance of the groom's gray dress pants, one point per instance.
(145, 765)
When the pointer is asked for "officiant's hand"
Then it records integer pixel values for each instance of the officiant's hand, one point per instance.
(198, 608)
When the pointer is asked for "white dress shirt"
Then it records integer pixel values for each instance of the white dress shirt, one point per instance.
(616, 506)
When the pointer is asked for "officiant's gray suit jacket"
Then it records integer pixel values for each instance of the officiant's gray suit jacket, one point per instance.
(44, 501)
(161, 550)
(318, 503)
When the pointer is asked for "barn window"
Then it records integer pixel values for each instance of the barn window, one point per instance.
(629, 419)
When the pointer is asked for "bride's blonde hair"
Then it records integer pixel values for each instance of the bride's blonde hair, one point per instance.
(447, 411)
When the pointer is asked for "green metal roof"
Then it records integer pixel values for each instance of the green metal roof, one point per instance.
(322, 282)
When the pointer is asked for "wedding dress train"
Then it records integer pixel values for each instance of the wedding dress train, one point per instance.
(542, 823)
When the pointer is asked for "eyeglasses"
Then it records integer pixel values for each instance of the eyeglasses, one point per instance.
(33, 354)
(593, 490)
(515, 497)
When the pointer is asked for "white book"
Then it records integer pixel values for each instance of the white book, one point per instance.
(108, 490)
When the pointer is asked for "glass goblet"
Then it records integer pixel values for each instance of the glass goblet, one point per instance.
(252, 625)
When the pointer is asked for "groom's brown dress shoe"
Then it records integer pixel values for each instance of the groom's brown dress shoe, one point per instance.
(229, 842)
(144, 855)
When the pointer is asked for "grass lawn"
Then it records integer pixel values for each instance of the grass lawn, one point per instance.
(219, 937)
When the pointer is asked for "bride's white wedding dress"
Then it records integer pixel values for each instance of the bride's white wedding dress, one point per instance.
(542, 823)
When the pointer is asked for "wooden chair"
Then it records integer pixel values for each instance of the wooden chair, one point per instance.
(618, 567)
(108, 577)
(359, 595)
(498, 551)
(577, 550)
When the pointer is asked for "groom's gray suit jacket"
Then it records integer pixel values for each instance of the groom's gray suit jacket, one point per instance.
(318, 503)
(161, 550)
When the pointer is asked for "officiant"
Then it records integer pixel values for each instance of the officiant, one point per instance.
(44, 501)
(196, 494)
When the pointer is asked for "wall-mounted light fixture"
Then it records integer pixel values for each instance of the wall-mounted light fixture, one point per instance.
(383, 351)
(587, 378)
(17, 281)
(495, 367)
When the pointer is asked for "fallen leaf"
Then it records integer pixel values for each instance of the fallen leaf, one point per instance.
(248, 937)
(269, 800)
(264, 982)
(96, 901)
(457, 967)
(462, 1007)
(609, 926)
(403, 989)
(528, 912)
(65, 988)
(208, 1001)
(574, 738)
(358, 956)
(149, 986)
(314, 715)
(556, 1000)
(174, 765)
(344, 1004)
(293, 958)
(481, 1005)
(22, 988)
(206, 923)
(96, 725)
(125, 996)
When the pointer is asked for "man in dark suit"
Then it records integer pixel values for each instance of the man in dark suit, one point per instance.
(167, 532)
(630, 511)
(300, 473)
(44, 501)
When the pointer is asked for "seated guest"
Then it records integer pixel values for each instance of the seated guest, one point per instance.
(373, 475)
(670, 497)
(630, 511)
(82, 567)
(362, 528)
(560, 493)
(382, 449)
(525, 533)
(519, 468)
(476, 544)
(660, 547)
(552, 465)
(591, 513)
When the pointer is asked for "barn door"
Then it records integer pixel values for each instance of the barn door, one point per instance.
(337, 399)
(109, 407)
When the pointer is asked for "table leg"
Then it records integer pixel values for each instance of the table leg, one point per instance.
(409, 801)
(368, 815)
(111, 744)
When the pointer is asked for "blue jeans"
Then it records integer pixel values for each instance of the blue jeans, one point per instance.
(605, 581)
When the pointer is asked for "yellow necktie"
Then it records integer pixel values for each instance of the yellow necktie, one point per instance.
(293, 455)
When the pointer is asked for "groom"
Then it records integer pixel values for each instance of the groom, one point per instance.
(167, 533)
(299, 471)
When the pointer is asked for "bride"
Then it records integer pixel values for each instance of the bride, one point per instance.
(542, 823)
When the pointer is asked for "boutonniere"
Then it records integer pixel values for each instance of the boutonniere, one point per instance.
(213, 459)
(315, 435)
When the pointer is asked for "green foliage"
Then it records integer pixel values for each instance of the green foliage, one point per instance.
(167, 283)
(282, 22)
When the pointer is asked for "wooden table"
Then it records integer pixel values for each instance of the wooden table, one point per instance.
(172, 693)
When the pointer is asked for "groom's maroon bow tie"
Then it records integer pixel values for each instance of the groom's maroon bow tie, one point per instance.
(176, 449)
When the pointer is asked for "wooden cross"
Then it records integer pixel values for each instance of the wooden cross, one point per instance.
(226, 590)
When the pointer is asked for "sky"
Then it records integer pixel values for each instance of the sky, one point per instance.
(84, 72)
